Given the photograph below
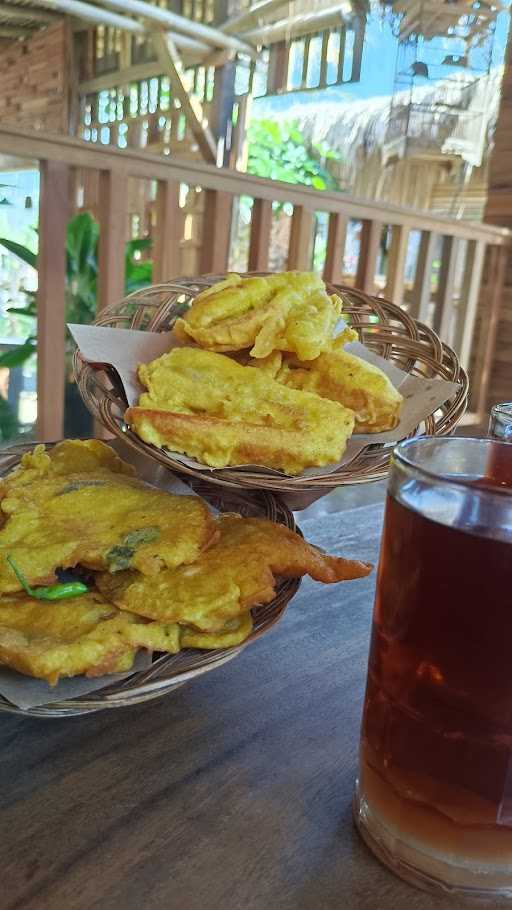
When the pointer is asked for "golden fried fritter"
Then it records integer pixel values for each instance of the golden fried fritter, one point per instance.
(72, 637)
(230, 577)
(233, 633)
(211, 408)
(343, 377)
(290, 311)
(40, 472)
(100, 519)
(86, 636)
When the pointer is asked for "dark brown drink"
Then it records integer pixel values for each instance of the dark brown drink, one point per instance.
(436, 746)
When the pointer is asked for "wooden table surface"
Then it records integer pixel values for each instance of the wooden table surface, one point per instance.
(233, 793)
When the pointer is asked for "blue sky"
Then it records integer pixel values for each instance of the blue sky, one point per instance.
(377, 71)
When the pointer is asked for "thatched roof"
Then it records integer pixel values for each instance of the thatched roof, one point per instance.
(459, 114)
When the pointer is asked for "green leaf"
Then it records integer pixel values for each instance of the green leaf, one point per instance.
(9, 425)
(19, 355)
(119, 557)
(138, 245)
(279, 151)
(29, 310)
(22, 252)
(82, 241)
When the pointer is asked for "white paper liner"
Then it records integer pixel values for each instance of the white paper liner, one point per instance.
(124, 349)
(25, 692)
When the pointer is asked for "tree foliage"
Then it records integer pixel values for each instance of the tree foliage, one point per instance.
(279, 151)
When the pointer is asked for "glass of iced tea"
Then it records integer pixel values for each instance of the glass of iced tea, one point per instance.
(434, 794)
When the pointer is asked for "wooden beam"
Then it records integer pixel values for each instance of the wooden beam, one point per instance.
(166, 253)
(251, 16)
(259, 243)
(111, 255)
(422, 289)
(27, 13)
(445, 305)
(173, 22)
(301, 237)
(336, 240)
(295, 26)
(12, 31)
(171, 64)
(395, 280)
(216, 236)
(368, 252)
(140, 163)
(466, 310)
(136, 73)
(54, 210)
(93, 14)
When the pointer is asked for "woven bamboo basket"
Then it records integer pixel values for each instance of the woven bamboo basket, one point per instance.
(382, 326)
(169, 671)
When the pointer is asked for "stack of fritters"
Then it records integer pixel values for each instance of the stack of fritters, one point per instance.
(163, 572)
(288, 397)
(220, 412)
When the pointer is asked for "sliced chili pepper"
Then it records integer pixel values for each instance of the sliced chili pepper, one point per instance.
(52, 592)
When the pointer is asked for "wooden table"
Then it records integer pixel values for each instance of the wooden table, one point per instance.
(231, 794)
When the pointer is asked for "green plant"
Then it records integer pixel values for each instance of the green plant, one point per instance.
(81, 289)
(279, 151)
(9, 425)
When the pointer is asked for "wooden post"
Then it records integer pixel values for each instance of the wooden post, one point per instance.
(357, 50)
(396, 264)
(221, 113)
(466, 310)
(51, 311)
(487, 341)
(336, 240)
(444, 311)
(422, 290)
(259, 244)
(166, 253)
(299, 249)
(498, 211)
(277, 67)
(368, 251)
(216, 236)
(111, 253)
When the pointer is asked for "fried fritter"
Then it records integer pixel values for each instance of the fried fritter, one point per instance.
(102, 520)
(234, 632)
(343, 377)
(211, 408)
(73, 637)
(290, 311)
(233, 575)
(40, 472)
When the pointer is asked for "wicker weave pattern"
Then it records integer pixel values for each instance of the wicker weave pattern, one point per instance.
(169, 671)
(382, 326)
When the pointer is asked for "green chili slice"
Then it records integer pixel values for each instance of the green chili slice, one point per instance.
(52, 592)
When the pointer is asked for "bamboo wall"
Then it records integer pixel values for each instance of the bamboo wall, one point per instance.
(34, 80)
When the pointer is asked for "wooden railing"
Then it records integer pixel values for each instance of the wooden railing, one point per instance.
(446, 289)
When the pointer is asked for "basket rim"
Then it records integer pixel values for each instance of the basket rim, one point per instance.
(167, 671)
(411, 342)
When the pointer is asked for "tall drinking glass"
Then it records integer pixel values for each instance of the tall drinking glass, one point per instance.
(434, 794)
